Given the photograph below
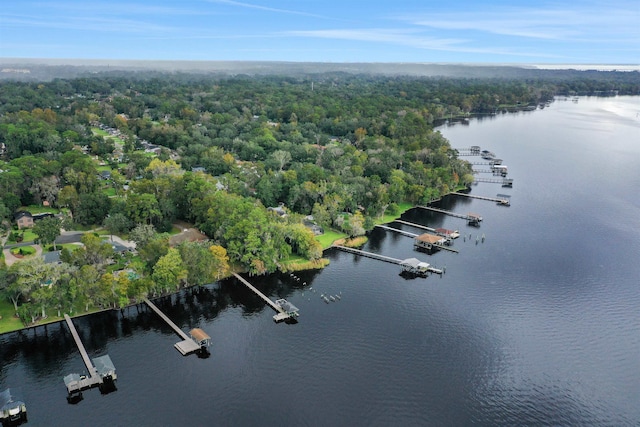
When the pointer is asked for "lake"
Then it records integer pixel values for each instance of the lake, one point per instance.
(537, 325)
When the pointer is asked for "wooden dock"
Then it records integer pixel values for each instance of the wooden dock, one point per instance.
(500, 200)
(397, 230)
(414, 235)
(442, 211)
(506, 182)
(369, 254)
(382, 257)
(282, 313)
(93, 379)
(186, 346)
(424, 227)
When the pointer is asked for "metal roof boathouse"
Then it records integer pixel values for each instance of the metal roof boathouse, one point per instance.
(12, 412)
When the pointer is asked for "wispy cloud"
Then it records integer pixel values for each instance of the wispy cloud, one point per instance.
(115, 8)
(85, 24)
(266, 8)
(567, 22)
(410, 38)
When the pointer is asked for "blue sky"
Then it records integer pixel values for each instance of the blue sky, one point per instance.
(465, 31)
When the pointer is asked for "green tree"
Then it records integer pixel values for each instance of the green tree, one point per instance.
(48, 230)
(169, 270)
(116, 223)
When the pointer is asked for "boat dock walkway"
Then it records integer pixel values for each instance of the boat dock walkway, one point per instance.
(501, 200)
(397, 230)
(186, 346)
(93, 378)
(369, 254)
(506, 182)
(282, 313)
(424, 227)
(442, 211)
(414, 235)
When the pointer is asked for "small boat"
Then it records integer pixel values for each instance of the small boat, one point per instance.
(332, 298)
(338, 297)
(326, 299)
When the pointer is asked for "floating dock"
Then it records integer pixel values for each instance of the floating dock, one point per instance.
(403, 263)
(284, 308)
(500, 199)
(101, 370)
(188, 344)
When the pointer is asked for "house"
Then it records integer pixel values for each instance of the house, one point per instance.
(106, 174)
(23, 219)
(279, 210)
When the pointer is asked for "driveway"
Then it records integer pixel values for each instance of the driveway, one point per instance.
(9, 259)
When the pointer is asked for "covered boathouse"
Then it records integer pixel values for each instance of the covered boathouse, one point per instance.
(429, 241)
(415, 266)
(200, 337)
(12, 412)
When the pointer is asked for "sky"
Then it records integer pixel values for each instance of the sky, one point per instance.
(464, 31)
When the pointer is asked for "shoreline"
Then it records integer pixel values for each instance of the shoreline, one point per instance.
(383, 220)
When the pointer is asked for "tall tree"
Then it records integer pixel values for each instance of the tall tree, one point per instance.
(48, 230)
(169, 271)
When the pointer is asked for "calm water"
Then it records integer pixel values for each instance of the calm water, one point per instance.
(538, 325)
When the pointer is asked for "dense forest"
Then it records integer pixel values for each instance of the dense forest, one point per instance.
(246, 159)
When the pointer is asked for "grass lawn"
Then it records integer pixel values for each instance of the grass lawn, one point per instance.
(8, 322)
(109, 191)
(27, 236)
(23, 250)
(105, 134)
(329, 237)
(36, 209)
(404, 206)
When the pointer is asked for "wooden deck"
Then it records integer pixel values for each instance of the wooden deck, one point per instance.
(187, 345)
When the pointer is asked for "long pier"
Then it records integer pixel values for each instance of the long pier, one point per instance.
(186, 346)
(282, 313)
(506, 182)
(500, 200)
(369, 254)
(424, 227)
(93, 379)
(391, 260)
(442, 211)
(414, 235)
(396, 230)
